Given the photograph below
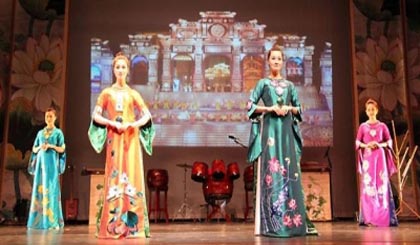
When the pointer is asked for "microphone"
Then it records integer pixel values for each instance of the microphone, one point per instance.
(237, 141)
(327, 152)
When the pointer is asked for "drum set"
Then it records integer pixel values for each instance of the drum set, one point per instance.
(217, 184)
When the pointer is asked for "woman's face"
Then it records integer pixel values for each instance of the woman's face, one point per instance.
(50, 118)
(276, 60)
(371, 111)
(120, 69)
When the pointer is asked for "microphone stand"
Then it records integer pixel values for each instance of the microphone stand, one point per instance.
(236, 140)
(327, 155)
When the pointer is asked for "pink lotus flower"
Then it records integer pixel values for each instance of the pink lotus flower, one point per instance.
(122, 229)
(268, 179)
(297, 220)
(274, 165)
(287, 221)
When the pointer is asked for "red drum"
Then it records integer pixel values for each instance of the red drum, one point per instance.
(249, 178)
(217, 181)
(199, 171)
(214, 190)
(233, 171)
(218, 169)
(157, 179)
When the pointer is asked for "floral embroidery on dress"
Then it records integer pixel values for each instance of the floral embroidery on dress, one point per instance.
(123, 178)
(274, 165)
(113, 193)
(249, 105)
(365, 165)
(279, 86)
(130, 190)
(372, 132)
(288, 217)
(127, 223)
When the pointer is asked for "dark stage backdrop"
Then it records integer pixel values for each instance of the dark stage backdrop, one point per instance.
(110, 22)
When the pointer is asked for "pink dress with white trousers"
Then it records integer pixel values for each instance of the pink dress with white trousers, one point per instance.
(376, 166)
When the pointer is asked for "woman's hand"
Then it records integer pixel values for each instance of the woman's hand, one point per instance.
(373, 145)
(47, 146)
(125, 126)
(280, 110)
(120, 127)
(44, 146)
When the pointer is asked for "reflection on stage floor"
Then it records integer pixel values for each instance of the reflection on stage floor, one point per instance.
(219, 233)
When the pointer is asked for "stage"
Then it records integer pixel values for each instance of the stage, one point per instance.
(347, 232)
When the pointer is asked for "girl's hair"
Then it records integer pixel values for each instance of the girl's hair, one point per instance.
(275, 48)
(50, 109)
(121, 56)
(372, 102)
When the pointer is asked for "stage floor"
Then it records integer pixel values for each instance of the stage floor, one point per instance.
(220, 233)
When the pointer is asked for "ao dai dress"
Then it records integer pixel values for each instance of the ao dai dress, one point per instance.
(46, 165)
(124, 210)
(376, 167)
(277, 143)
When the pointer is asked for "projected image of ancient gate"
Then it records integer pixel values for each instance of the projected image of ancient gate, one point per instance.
(197, 77)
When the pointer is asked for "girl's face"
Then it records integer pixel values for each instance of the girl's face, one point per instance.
(371, 111)
(50, 118)
(276, 60)
(120, 69)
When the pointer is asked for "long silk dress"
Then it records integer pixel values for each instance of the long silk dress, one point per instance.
(376, 166)
(124, 210)
(46, 210)
(277, 144)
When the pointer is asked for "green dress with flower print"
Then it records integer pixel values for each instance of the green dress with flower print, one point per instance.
(277, 142)
(46, 210)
